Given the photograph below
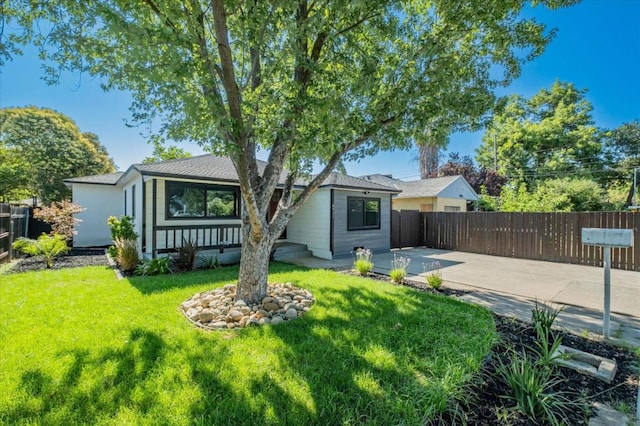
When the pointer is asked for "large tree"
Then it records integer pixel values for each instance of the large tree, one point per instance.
(549, 135)
(306, 80)
(622, 155)
(163, 152)
(46, 147)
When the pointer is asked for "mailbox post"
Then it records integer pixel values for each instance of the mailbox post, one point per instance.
(607, 238)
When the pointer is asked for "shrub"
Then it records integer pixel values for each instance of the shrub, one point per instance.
(122, 228)
(434, 275)
(399, 268)
(186, 255)
(113, 252)
(531, 389)
(209, 262)
(363, 262)
(49, 246)
(542, 318)
(155, 266)
(127, 256)
(60, 215)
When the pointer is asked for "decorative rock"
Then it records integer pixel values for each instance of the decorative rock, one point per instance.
(217, 309)
(270, 306)
(292, 313)
(235, 315)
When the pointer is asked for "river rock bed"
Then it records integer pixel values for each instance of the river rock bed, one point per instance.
(218, 309)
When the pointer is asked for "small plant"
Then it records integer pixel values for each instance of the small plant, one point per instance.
(113, 252)
(155, 266)
(547, 348)
(542, 318)
(60, 215)
(531, 389)
(434, 275)
(399, 268)
(363, 262)
(127, 257)
(49, 246)
(209, 262)
(186, 255)
(122, 228)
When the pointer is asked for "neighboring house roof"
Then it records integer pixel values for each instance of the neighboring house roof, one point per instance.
(212, 167)
(448, 186)
(106, 179)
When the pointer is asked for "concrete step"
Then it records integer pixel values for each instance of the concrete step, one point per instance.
(288, 251)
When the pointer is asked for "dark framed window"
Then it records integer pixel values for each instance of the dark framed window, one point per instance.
(185, 200)
(133, 201)
(363, 213)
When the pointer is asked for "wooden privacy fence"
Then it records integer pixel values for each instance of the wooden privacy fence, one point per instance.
(554, 237)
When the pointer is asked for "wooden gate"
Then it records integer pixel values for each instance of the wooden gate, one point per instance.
(406, 229)
(5, 233)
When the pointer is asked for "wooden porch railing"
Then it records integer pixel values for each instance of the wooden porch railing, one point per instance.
(168, 239)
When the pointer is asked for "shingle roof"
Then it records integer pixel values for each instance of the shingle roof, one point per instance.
(339, 180)
(106, 179)
(213, 167)
(416, 188)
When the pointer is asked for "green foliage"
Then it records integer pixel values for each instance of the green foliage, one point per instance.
(14, 175)
(109, 351)
(549, 135)
(208, 262)
(397, 275)
(165, 153)
(542, 318)
(433, 275)
(60, 215)
(49, 246)
(122, 228)
(531, 389)
(186, 255)
(45, 147)
(127, 256)
(154, 266)
(113, 252)
(564, 194)
(399, 268)
(363, 263)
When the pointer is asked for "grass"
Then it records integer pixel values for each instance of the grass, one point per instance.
(80, 347)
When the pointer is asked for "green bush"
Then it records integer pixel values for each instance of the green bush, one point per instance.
(397, 275)
(208, 262)
(49, 246)
(155, 266)
(122, 228)
(399, 266)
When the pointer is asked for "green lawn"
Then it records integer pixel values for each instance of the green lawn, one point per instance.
(79, 346)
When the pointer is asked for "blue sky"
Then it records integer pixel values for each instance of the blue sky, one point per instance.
(597, 48)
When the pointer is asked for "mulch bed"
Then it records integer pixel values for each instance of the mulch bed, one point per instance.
(74, 259)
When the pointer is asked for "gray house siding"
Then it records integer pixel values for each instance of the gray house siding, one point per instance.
(344, 240)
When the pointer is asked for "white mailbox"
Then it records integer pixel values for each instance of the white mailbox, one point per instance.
(607, 237)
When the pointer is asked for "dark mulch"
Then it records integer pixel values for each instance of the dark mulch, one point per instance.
(74, 259)
(483, 404)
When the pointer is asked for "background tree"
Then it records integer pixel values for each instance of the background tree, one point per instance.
(550, 135)
(14, 176)
(50, 147)
(477, 177)
(563, 194)
(307, 81)
(165, 153)
(622, 156)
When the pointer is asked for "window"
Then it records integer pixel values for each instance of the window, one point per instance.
(451, 208)
(363, 213)
(194, 200)
(133, 201)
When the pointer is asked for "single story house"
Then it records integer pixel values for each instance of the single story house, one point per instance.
(442, 194)
(198, 199)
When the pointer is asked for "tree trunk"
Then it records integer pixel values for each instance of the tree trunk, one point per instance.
(428, 159)
(254, 268)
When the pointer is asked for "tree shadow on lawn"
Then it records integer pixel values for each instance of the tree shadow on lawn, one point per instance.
(116, 375)
(354, 358)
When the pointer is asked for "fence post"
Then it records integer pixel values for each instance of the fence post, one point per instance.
(10, 236)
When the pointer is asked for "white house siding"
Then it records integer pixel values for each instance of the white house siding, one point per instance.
(161, 220)
(458, 189)
(311, 224)
(100, 202)
(344, 240)
(133, 191)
